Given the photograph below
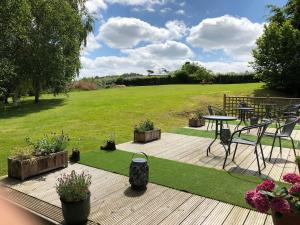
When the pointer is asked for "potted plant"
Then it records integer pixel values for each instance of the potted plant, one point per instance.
(110, 144)
(75, 155)
(44, 155)
(297, 160)
(196, 120)
(73, 190)
(283, 202)
(145, 132)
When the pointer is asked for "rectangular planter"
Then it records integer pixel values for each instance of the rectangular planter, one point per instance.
(23, 169)
(143, 137)
(196, 122)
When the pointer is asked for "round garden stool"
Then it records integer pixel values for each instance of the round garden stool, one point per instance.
(139, 172)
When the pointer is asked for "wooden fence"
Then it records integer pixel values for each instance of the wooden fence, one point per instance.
(260, 104)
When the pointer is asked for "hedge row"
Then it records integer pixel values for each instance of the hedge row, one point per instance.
(161, 80)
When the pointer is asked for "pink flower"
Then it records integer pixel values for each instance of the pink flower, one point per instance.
(291, 178)
(295, 189)
(280, 205)
(267, 185)
(261, 202)
(249, 197)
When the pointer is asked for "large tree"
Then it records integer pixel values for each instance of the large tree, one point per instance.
(277, 56)
(45, 37)
(59, 28)
(15, 23)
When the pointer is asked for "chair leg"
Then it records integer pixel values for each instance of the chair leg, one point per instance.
(272, 148)
(226, 157)
(293, 146)
(257, 159)
(280, 146)
(262, 154)
(208, 125)
(236, 145)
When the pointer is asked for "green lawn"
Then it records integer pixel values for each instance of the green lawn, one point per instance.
(93, 116)
(207, 182)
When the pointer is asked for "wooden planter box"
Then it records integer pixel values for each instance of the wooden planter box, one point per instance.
(196, 122)
(147, 136)
(23, 169)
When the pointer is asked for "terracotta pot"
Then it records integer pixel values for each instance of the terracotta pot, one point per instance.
(290, 219)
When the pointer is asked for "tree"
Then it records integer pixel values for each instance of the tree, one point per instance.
(59, 27)
(15, 22)
(150, 72)
(40, 44)
(277, 56)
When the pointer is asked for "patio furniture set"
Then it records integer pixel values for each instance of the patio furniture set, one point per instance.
(285, 123)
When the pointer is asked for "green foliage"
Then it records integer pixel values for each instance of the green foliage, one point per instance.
(41, 41)
(73, 187)
(49, 144)
(144, 126)
(181, 75)
(277, 54)
(197, 115)
(22, 153)
(297, 160)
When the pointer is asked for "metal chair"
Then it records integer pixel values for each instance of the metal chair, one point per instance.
(237, 139)
(213, 111)
(283, 131)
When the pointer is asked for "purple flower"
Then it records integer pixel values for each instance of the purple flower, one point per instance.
(291, 178)
(267, 185)
(295, 189)
(249, 197)
(280, 205)
(261, 202)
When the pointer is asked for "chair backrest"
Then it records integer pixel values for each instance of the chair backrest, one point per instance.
(289, 125)
(262, 127)
(242, 104)
(216, 111)
(210, 110)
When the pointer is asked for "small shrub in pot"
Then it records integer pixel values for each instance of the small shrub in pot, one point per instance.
(196, 120)
(145, 132)
(73, 190)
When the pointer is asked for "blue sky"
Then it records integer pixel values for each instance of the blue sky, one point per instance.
(136, 35)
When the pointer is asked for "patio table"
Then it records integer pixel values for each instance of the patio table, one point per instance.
(219, 126)
(243, 112)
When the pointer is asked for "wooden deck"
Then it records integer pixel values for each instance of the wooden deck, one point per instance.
(190, 149)
(113, 202)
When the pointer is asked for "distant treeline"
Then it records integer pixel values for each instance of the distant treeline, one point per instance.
(189, 73)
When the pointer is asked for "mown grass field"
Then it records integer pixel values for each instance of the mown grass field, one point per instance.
(92, 116)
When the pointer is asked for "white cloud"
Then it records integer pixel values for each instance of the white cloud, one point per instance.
(92, 44)
(169, 50)
(165, 10)
(94, 6)
(180, 12)
(226, 67)
(182, 4)
(169, 55)
(123, 32)
(236, 36)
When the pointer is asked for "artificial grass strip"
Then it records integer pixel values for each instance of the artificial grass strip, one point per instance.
(206, 182)
(211, 134)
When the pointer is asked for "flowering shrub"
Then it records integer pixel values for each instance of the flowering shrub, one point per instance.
(280, 200)
(73, 187)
